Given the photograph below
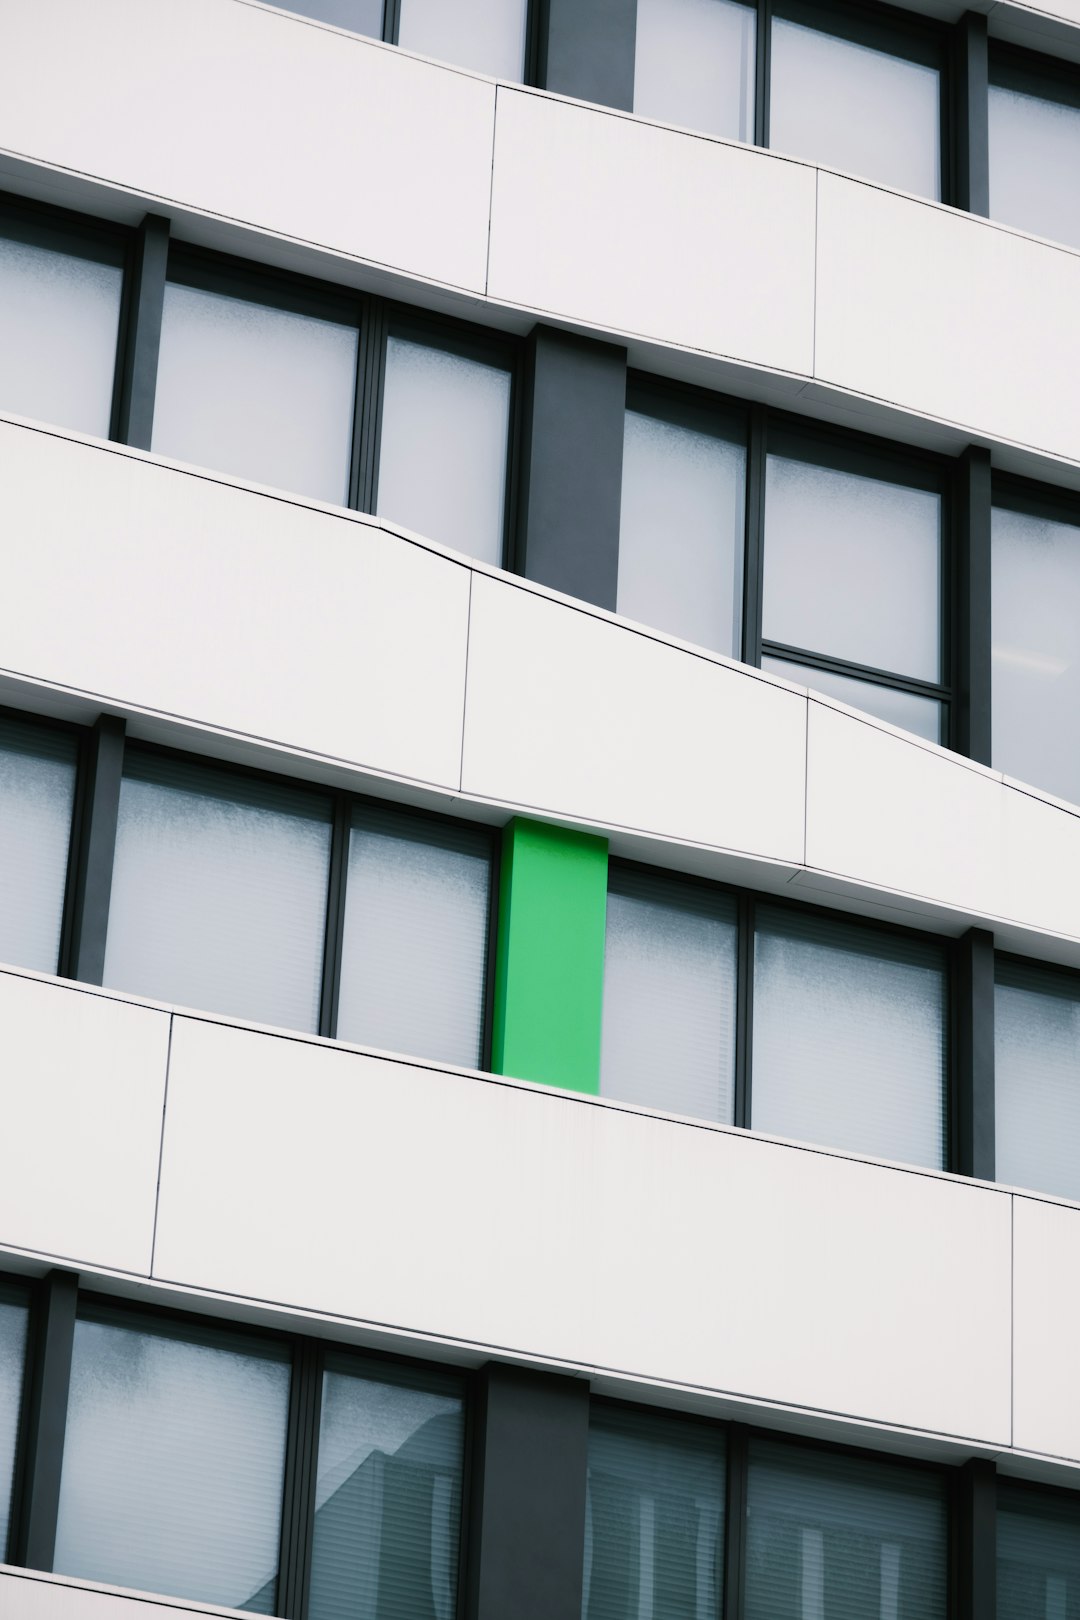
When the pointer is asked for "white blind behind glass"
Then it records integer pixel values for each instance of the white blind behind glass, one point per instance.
(37, 796)
(173, 1462)
(414, 947)
(262, 393)
(387, 1496)
(654, 1519)
(694, 65)
(13, 1320)
(1038, 1554)
(681, 531)
(921, 715)
(442, 450)
(488, 35)
(669, 996)
(359, 16)
(1034, 156)
(219, 892)
(59, 320)
(850, 1037)
(1037, 1079)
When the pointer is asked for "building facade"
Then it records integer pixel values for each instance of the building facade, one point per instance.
(539, 849)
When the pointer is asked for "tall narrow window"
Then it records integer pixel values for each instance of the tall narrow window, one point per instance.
(849, 1037)
(37, 795)
(488, 35)
(669, 996)
(174, 1461)
(13, 1327)
(387, 1495)
(414, 948)
(219, 891)
(694, 65)
(1037, 1078)
(654, 1518)
(443, 445)
(682, 525)
(1035, 146)
(59, 322)
(1038, 1553)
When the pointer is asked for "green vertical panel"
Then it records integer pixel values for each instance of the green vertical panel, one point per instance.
(549, 971)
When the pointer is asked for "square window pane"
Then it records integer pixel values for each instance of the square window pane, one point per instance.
(1034, 157)
(387, 1496)
(853, 567)
(59, 322)
(1037, 1079)
(681, 531)
(37, 797)
(414, 948)
(851, 107)
(1035, 672)
(488, 35)
(669, 996)
(694, 65)
(359, 16)
(219, 892)
(442, 451)
(14, 1316)
(1038, 1553)
(654, 1518)
(921, 715)
(265, 394)
(850, 1037)
(174, 1460)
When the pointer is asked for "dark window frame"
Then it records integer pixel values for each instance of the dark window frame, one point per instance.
(22, 1289)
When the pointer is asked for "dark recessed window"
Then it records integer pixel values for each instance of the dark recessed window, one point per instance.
(694, 64)
(1038, 1553)
(14, 1316)
(1037, 1078)
(1035, 145)
(37, 796)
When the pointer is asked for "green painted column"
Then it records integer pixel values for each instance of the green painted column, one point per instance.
(549, 966)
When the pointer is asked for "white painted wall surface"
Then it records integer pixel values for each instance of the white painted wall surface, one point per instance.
(1046, 1327)
(28, 1594)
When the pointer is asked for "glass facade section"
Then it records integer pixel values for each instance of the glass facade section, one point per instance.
(1038, 1554)
(13, 1329)
(1034, 155)
(850, 1037)
(654, 1518)
(1037, 1078)
(909, 710)
(219, 892)
(174, 1461)
(387, 1496)
(694, 65)
(37, 797)
(487, 35)
(359, 16)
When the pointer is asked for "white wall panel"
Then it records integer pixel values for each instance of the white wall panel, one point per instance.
(569, 713)
(82, 1084)
(1046, 1328)
(218, 604)
(25, 1594)
(244, 112)
(1040, 863)
(629, 226)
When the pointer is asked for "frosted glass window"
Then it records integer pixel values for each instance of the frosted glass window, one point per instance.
(219, 892)
(833, 1537)
(59, 321)
(853, 567)
(13, 1320)
(262, 393)
(387, 1496)
(851, 107)
(1038, 1554)
(1037, 1079)
(414, 947)
(1034, 155)
(694, 65)
(850, 1037)
(1035, 618)
(488, 35)
(921, 715)
(37, 795)
(359, 16)
(442, 455)
(669, 996)
(681, 532)
(174, 1462)
(654, 1519)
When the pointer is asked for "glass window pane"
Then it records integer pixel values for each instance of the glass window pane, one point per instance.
(59, 320)
(1034, 155)
(359, 16)
(669, 996)
(654, 1519)
(833, 1537)
(851, 107)
(13, 1322)
(853, 567)
(173, 1463)
(442, 453)
(1037, 1079)
(922, 715)
(219, 892)
(694, 65)
(1035, 707)
(37, 796)
(488, 35)
(681, 532)
(414, 948)
(387, 1497)
(264, 394)
(850, 1037)
(1038, 1554)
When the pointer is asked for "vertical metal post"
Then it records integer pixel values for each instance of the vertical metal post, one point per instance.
(50, 1378)
(144, 307)
(97, 847)
(974, 1014)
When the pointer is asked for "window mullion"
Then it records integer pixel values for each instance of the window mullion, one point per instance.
(735, 1523)
(973, 995)
(50, 1380)
(103, 768)
(975, 1582)
(301, 1466)
(744, 1014)
(762, 72)
(371, 372)
(754, 571)
(971, 116)
(335, 916)
(145, 304)
(972, 507)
